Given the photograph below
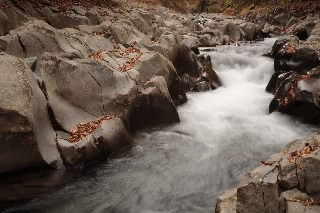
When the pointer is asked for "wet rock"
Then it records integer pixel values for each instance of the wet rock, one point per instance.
(178, 91)
(297, 96)
(272, 84)
(280, 42)
(154, 106)
(202, 86)
(303, 60)
(186, 62)
(208, 72)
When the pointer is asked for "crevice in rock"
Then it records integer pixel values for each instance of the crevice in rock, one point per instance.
(296, 167)
(16, 3)
(264, 202)
(67, 39)
(22, 45)
(55, 124)
(101, 95)
(59, 150)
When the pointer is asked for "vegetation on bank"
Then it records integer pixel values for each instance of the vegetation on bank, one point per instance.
(230, 7)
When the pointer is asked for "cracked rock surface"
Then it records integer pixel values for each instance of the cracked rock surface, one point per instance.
(286, 182)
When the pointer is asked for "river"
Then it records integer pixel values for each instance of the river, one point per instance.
(223, 134)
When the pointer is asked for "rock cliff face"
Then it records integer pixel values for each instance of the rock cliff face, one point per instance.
(77, 80)
(288, 181)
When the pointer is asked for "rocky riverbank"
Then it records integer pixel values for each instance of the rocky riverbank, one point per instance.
(288, 181)
(77, 80)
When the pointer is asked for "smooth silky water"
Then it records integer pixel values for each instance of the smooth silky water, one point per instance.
(223, 134)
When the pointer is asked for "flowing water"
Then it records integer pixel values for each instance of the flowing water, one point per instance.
(184, 167)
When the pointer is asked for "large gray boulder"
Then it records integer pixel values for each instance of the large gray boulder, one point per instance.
(170, 43)
(27, 137)
(154, 105)
(108, 137)
(61, 20)
(83, 89)
(154, 64)
(33, 39)
(142, 20)
(249, 31)
(233, 31)
(297, 95)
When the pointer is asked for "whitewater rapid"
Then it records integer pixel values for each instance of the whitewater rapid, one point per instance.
(184, 167)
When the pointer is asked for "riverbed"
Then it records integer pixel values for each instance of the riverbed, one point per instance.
(222, 135)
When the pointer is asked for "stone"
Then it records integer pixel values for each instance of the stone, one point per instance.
(108, 138)
(233, 31)
(4, 24)
(61, 20)
(177, 91)
(170, 44)
(249, 31)
(250, 198)
(154, 64)
(76, 101)
(187, 62)
(202, 86)
(271, 192)
(280, 19)
(208, 72)
(227, 202)
(293, 20)
(205, 40)
(119, 33)
(27, 137)
(295, 207)
(312, 174)
(191, 41)
(112, 136)
(280, 42)
(155, 107)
